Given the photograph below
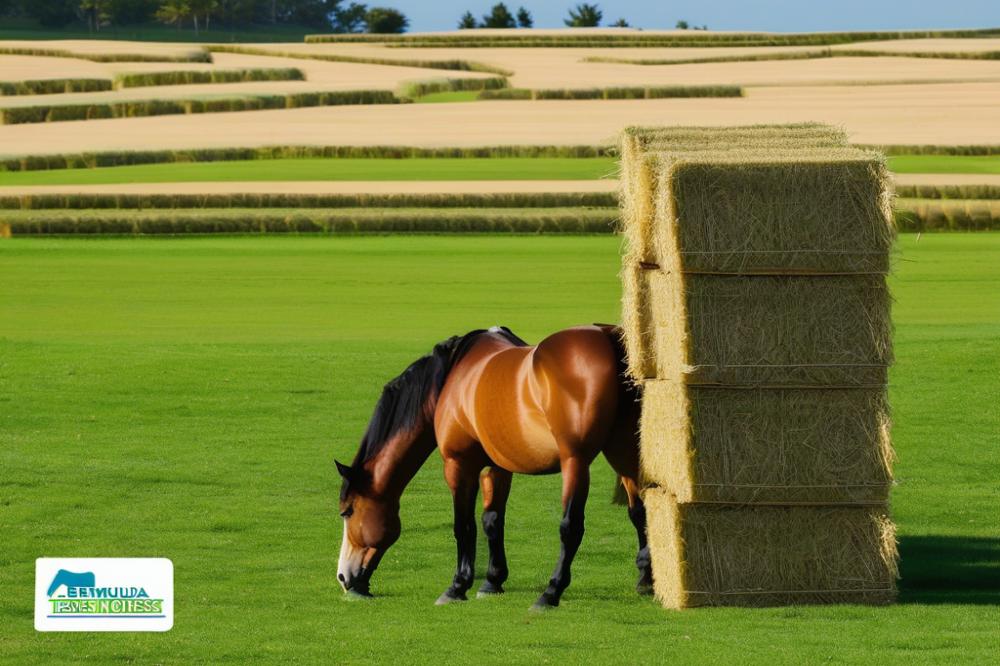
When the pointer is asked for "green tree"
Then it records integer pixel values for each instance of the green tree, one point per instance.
(52, 13)
(202, 9)
(312, 13)
(124, 12)
(173, 12)
(386, 21)
(467, 22)
(682, 25)
(499, 17)
(96, 12)
(524, 19)
(584, 16)
(350, 19)
(620, 23)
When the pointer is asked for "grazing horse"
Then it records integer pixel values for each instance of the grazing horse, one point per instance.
(493, 405)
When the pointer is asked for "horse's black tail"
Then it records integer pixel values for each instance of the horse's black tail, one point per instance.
(631, 391)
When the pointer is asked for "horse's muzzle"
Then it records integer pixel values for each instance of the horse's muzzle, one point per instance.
(357, 584)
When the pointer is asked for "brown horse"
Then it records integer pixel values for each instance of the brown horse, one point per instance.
(492, 405)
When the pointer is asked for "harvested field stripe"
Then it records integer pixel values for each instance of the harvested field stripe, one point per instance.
(422, 88)
(53, 86)
(948, 191)
(201, 55)
(947, 215)
(947, 180)
(140, 157)
(186, 77)
(141, 108)
(67, 202)
(458, 65)
(627, 92)
(930, 149)
(363, 220)
(634, 39)
(801, 55)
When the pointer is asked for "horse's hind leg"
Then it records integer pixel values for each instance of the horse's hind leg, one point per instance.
(496, 489)
(576, 485)
(625, 461)
(463, 479)
(637, 514)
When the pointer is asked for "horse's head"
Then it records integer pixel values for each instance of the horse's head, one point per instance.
(397, 441)
(371, 525)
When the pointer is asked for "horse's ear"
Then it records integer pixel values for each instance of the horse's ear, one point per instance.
(345, 470)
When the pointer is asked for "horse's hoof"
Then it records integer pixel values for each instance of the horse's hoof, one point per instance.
(489, 590)
(354, 595)
(544, 603)
(448, 598)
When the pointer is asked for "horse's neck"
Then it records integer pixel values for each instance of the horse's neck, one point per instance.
(395, 466)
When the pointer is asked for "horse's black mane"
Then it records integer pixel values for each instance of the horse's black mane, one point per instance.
(405, 398)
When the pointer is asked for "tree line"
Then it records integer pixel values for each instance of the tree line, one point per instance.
(581, 16)
(327, 15)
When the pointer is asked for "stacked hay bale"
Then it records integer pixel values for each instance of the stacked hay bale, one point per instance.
(756, 315)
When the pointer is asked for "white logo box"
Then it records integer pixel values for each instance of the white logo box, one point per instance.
(104, 594)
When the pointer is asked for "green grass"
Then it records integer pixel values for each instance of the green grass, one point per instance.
(978, 164)
(506, 168)
(448, 96)
(185, 398)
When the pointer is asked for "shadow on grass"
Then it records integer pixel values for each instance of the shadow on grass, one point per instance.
(949, 570)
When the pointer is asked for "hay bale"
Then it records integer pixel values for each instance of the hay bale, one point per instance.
(682, 138)
(806, 210)
(725, 555)
(778, 446)
(638, 180)
(778, 331)
(811, 211)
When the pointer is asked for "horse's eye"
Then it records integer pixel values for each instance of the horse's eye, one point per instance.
(348, 512)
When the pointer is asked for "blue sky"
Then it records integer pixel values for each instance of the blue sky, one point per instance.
(777, 15)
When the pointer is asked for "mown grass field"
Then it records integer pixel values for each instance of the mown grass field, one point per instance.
(945, 164)
(419, 168)
(185, 398)
(466, 168)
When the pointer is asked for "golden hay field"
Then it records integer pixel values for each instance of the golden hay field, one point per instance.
(566, 67)
(320, 76)
(878, 100)
(898, 114)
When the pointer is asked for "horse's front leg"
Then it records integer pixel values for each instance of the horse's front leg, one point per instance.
(496, 489)
(463, 479)
(576, 485)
